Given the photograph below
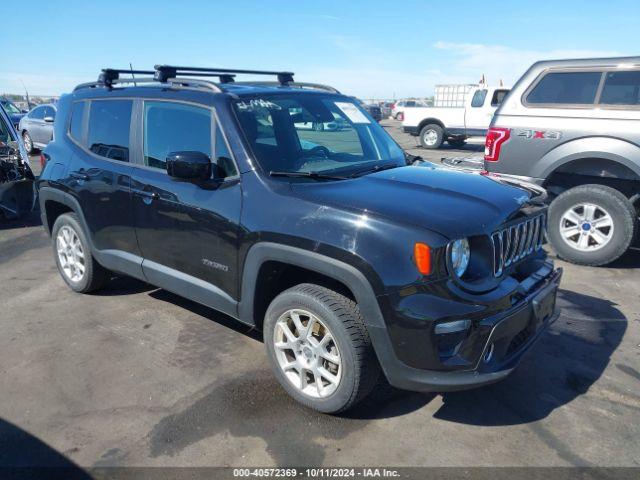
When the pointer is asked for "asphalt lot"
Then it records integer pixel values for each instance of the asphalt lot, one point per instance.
(134, 375)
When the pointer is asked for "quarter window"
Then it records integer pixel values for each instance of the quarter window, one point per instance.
(77, 120)
(478, 98)
(621, 88)
(498, 97)
(566, 88)
(109, 125)
(174, 127)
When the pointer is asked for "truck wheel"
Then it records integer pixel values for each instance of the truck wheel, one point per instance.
(591, 224)
(457, 142)
(73, 255)
(431, 136)
(319, 348)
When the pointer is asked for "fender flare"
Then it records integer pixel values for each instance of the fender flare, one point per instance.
(52, 194)
(352, 277)
(606, 148)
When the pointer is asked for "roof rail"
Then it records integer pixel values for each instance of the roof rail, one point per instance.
(164, 72)
(317, 86)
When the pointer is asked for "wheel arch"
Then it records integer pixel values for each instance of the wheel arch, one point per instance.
(257, 287)
(54, 203)
(431, 121)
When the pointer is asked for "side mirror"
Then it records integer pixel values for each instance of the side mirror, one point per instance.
(189, 165)
(48, 119)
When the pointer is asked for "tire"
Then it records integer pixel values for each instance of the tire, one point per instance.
(358, 371)
(28, 142)
(431, 136)
(456, 142)
(575, 207)
(93, 275)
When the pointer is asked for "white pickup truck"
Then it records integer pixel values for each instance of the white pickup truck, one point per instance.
(455, 124)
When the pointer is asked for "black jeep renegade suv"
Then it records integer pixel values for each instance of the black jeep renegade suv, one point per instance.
(285, 206)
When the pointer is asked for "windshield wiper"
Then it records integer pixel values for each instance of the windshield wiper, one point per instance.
(314, 175)
(374, 169)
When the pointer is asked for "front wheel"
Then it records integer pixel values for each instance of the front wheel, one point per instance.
(28, 143)
(591, 224)
(431, 136)
(319, 348)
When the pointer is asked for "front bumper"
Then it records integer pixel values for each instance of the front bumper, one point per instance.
(510, 338)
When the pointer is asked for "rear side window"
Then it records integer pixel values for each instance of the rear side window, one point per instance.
(566, 88)
(498, 97)
(621, 88)
(174, 127)
(478, 98)
(77, 121)
(109, 125)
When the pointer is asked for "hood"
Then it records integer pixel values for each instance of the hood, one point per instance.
(452, 203)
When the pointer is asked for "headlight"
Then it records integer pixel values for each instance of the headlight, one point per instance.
(459, 254)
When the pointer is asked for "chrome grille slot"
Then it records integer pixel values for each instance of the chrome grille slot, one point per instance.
(515, 242)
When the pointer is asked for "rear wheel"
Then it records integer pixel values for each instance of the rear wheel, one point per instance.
(73, 256)
(319, 348)
(431, 136)
(591, 224)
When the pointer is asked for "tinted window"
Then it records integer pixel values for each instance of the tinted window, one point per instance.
(174, 127)
(109, 123)
(77, 117)
(37, 113)
(621, 88)
(49, 112)
(570, 88)
(411, 103)
(498, 97)
(478, 98)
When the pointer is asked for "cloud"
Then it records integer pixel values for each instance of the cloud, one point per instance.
(498, 62)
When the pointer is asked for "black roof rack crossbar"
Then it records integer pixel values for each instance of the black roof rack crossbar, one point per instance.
(108, 75)
(315, 86)
(164, 72)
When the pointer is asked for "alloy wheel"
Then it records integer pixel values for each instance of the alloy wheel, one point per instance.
(307, 353)
(430, 137)
(586, 227)
(70, 253)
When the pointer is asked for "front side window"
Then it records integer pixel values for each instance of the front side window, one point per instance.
(49, 112)
(174, 127)
(566, 88)
(302, 132)
(37, 113)
(109, 126)
(478, 98)
(621, 88)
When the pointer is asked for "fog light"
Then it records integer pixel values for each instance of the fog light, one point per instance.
(452, 327)
(449, 337)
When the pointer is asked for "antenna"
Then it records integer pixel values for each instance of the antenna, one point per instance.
(132, 75)
(26, 94)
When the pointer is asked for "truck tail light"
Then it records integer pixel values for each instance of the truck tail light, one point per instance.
(43, 160)
(401, 116)
(422, 257)
(495, 138)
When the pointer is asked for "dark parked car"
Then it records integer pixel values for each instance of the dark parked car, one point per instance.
(15, 114)
(355, 263)
(16, 178)
(36, 127)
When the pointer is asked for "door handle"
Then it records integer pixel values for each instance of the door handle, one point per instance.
(146, 194)
(80, 176)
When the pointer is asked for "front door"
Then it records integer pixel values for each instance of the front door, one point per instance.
(187, 231)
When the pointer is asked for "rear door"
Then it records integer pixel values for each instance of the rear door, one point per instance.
(187, 231)
(100, 177)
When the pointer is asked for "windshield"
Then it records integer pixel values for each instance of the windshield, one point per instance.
(10, 107)
(314, 133)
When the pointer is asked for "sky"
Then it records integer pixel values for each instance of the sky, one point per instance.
(372, 49)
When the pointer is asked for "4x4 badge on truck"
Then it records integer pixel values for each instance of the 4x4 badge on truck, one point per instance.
(550, 134)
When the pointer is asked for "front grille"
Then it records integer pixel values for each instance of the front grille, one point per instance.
(517, 241)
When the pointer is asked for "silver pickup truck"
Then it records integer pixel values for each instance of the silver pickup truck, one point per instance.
(573, 126)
